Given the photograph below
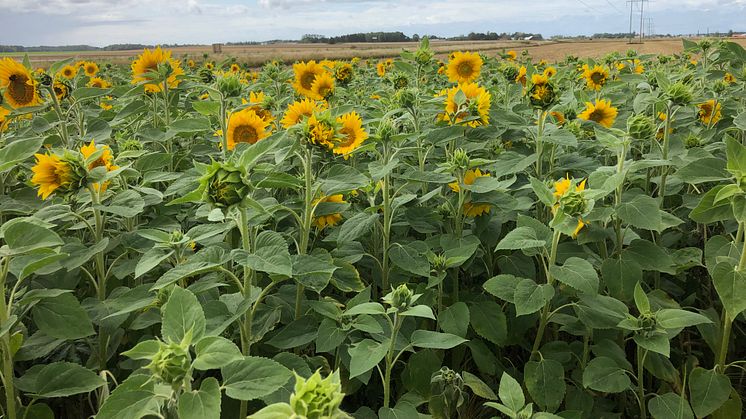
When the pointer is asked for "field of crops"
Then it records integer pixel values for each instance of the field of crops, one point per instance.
(489, 235)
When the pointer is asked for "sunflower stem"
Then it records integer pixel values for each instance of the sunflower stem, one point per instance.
(305, 228)
(58, 111)
(7, 355)
(545, 314)
(385, 190)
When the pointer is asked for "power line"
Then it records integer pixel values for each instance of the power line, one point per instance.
(586, 5)
(612, 5)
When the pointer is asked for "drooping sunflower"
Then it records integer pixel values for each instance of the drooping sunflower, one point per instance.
(298, 110)
(511, 55)
(257, 101)
(20, 87)
(637, 66)
(61, 90)
(105, 159)
(472, 209)
(90, 68)
(149, 61)
(323, 85)
(383, 66)
(343, 72)
(98, 82)
(709, 112)
(50, 173)
(478, 102)
(351, 134)
(595, 77)
(246, 126)
(305, 75)
(464, 67)
(320, 131)
(328, 220)
(569, 197)
(601, 112)
(521, 76)
(68, 71)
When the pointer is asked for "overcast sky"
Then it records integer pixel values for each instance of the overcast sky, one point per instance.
(103, 22)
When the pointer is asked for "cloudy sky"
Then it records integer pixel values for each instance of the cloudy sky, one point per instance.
(103, 22)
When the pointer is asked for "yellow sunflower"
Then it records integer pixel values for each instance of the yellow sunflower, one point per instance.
(472, 209)
(305, 75)
(351, 133)
(60, 90)
(235, 68)
(323, 85)
(511, 55)
(521, 77)
(464, 67)
(729, 78)
(106, 159)
(149, 61)
(561, 188)
(595, 77)
(343, 72)
(328, 220)
(709, 112)
(90, 68)
(4, 121)
(20, 87)
(298, 110)
(638, 67)
(478, 102)
(257, 100)
(246, 126)
(68, 71)
(383, 66)
(210, 66)
(601, 112)
(550, 72)
(191, 63)
(50, 174)
(98, 82)
(320, 131)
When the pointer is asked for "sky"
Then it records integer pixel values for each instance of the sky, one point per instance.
(104, 22)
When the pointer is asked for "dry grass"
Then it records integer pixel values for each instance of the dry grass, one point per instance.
(255, 55)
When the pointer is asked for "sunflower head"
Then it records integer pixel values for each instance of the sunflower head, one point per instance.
(224, 184)
(709, 112)
(327, 208)
(570, 206)
(323, 86)
(464, 67)
(640, 127)
(57, 173)
(679, 93)
(595, 77)
(320, 130)
(191, 64)
(98, 82)
(600, 112)
(98, 156)
(156, 66)
(350, 135)
(467, 104)
(343, 73)
(383, 66)
(67, 72)
(471, 209)
(510, 55)
(299, 110)
(90, 68)
(61, 90)
(235, 68)
(305, 76)
(229, 85)
(246, 126)
(18, 83)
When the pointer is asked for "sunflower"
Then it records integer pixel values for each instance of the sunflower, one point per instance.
(521, 76)
(257, 101)
(729, 78)
(298, 110)
(20, 87)
(210, 66)
(149, 61)
(539, 79)
(550, 72)
(620, 66)
(595, 77)
(511, 55)
(472, 209)
(478, 102)
(98, 82)
(60, 90)
(565, 187)
(323, 85)
(601, 112)
(90, 68)
(351, 133)
(558, 116)
(709, 112)
(235, 68)
(50, 174)
(246, 126)
(343, 72)
(4, 121)
(320, 131)
(305, 75)
(638, 68)
(190, 63)
(383, 66)
(464, 67)
(328, 220)
(68, 71)
(105, 159)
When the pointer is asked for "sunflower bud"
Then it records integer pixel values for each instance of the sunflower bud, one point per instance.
(640, 127)
(542, 96)
(719, 86)
(510, 72)
(400, 81)
(205, 74)
(44, 79)
(176, 236)
(692, 140)
(407, 98)
(573, 203)
(400, 298)
(130, 145)
(229, 85)
(386, 129)
(171, 363)
(704, 45)
(446, 394)
(459, 161)
(679, 93)
(317, 398)
(224, 185)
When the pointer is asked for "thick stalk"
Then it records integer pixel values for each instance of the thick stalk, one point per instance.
(63, 122)
(618, 197)
(7, 356)
(223, 128)
(725, 318)
(539, 143)
(666, 141)
(641, 354)
(386, 222)
(305, 229)
(544, 316)
(389, 361)
(100, 264)
(248, 280)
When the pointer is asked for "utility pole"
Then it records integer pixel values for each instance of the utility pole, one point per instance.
(642, 14)
(650, 26)
(631, 12)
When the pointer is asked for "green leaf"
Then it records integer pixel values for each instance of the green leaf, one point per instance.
(603, 374)
(488, 320)
(531, 297)
(671, 318)
(577, 273)
(185, 270)
(59, 379)
(271, 255)
(343, 178)
(520, 238)
(435, 340)
(708, 390)
(135, 398)
(356, 226)
(707, 211)
(89, 92)
(365, 355)
(419, 311)
(152, 258)
(511, 393)
(736, 156)
(642, 211)
(730, 285)
(127, 204)
(477, 386)
(545, 381)
(274, 411)
(502, 286)
(253, 378)
(297, 333)
(707, 169)
(144, 350)
(206, 107)
(18, 151)
(649, 256)
(670, 406)
(24, 237)
(455, 319)
(365, 308)
(620, 277)
(182, 314)
(201, 404)
(215, 352)
(62, 317)
(313, 271)
(641, 300)
(410, 259)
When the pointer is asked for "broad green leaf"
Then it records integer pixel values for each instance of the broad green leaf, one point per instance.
(203, 403)
(312, 271)
(620, 277)
(669, 406)
(127, 203)
(182, 314)
(455, 319)
(435, 340)
(531, 297)
(410, 260)
(730, 285)
(17, 151)
(215, 352)
(603, 374)
(60, 379)
(708, 390)
(297, 333)
(419, 311)
(356, 226)
(488, 320)
(520, 238)
(135, 398)
(578, 274)
(671, 318)
(62, 317)
(707, 211)
(271, 255)
(511, 393)
(144, 350)
(545, 381)
(477, 386)
(365, 355)
(24, 237)
(253, 378)
(642, 211)
(152, 258)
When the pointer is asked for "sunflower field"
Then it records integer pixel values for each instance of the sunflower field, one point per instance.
(475, 236)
